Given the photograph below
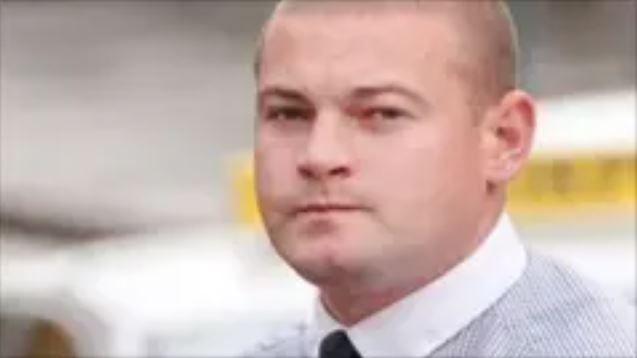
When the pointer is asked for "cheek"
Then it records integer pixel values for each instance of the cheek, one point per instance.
(275, 179)
(412, 183)
(426, 176)
(408, 166)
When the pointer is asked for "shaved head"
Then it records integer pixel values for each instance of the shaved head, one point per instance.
(488, 58)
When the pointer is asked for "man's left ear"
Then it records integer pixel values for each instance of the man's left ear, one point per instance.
(508, 131)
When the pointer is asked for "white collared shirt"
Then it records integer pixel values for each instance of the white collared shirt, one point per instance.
(421, 322)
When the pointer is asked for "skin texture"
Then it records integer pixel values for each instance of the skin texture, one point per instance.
(382, 148)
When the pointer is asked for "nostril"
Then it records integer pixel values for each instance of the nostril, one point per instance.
(323, 172)
(305, 172)
(339, 171)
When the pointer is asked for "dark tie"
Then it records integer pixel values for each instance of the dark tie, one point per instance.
(337, 345)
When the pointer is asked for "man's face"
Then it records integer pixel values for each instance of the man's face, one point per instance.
(368, 156)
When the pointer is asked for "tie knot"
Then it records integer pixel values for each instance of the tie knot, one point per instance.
(337, 345)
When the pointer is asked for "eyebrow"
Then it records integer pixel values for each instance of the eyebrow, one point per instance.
(371, 91)
(358, 92)
(276, 91)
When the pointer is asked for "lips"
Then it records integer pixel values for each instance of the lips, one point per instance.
(323, 208)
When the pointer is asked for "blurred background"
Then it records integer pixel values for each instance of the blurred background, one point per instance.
(127, 217)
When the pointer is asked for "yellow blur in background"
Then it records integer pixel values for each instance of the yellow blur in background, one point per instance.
(577, 186)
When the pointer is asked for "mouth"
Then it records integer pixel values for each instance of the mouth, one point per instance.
(327, 208)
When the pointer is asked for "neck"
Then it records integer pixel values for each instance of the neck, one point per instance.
(350, 306)
(350, 303)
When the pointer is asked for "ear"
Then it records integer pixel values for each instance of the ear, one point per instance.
(507, 136)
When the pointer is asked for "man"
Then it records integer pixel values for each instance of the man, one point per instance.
(387, 133)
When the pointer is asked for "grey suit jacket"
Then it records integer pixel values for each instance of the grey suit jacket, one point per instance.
(549, 312)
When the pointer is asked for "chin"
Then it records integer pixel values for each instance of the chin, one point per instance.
(318, 262)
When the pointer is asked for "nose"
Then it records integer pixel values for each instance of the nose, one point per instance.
(326, 153)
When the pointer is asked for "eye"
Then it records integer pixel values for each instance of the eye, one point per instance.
(287, 113)
(384, 114)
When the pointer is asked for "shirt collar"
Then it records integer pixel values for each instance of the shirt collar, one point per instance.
(419, 323)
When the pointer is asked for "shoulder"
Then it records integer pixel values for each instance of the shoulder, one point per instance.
(550, 311)
(286, 343)
(557, 311)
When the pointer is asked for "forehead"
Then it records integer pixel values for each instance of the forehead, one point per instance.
(355, 42)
